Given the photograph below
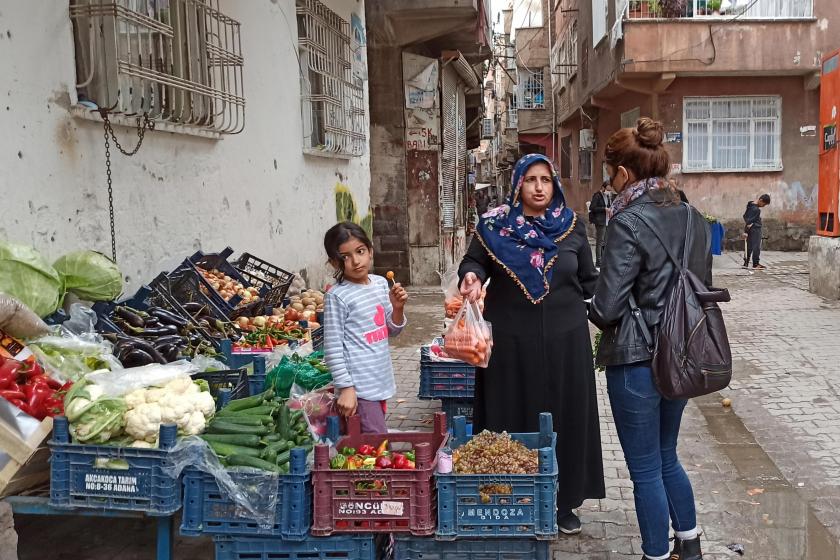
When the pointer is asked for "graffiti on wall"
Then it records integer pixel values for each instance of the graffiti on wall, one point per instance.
(796, 196)
(347, 211)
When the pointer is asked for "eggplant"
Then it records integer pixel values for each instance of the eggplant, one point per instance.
(194, 307)
(175, 339)
(150, 350)
(137, 358)
(129, 317)
(154, 332)
(167, 317)
(169, 352)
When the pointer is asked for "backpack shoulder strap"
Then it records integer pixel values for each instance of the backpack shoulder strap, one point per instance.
(665, 245)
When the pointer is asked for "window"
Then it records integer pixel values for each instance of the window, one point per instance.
(631, 117)
(180, 61)
(530, 89)
(513, 116)
(332, 100)
(599, 21)
(732, 133)
(585, 164)
(568, 55)
(487, 128)
(566, 157)
(510, 57)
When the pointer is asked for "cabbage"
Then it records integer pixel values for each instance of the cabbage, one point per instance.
(28, 277)
(89, 275)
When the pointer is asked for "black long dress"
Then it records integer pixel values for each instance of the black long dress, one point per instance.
(542, 362)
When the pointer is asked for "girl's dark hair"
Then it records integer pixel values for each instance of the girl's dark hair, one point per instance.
(639, 149)
(338, 235)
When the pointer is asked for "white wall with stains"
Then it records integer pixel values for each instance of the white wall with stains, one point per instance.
(255, 191)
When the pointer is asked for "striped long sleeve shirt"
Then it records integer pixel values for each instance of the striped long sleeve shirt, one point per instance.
(357, 326)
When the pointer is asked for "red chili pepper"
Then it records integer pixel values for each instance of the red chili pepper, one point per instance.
(45, 380)
(54, 406)
(12, 394)
(9, 371)
(37, 399)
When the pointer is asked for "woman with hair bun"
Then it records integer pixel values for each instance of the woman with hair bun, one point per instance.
(636, 269)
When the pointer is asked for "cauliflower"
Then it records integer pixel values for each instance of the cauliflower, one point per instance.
(135, 398)
(203, 402)
(143, 422)
(154, 394)
(180, 386)
(175, 408)
(195, 424)
(142, 444)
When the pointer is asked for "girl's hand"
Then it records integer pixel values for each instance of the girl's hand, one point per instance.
(398, 296)
(346, 403)
(471, 287)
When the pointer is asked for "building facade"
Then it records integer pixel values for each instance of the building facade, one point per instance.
(736, 85)
(260, 142)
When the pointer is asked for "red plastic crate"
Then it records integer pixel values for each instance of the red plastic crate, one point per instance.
(406, 504)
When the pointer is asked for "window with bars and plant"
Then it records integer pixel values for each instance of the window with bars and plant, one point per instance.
(177, 61)
(332, 98)
(530, 91)
(732, 134)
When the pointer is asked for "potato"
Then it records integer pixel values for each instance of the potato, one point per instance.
(298, 306)
(310, 308)
(307, 301)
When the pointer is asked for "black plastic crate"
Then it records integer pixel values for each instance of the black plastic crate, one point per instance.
(235, 381)
(274, 280)
(183, 285)
(218, 261)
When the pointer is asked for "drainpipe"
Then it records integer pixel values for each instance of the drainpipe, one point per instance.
(553, 97)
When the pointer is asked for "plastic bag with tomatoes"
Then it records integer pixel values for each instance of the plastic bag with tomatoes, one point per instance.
(469, 337)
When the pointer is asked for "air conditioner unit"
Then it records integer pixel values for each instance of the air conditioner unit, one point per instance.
(487, 128)
(587, 139)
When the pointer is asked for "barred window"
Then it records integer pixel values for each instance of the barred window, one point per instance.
(530, 89)
(332, 99)
(732, 133)
(180, 61)
(513, 116)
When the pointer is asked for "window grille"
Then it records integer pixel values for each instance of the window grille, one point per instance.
(510, 57)
(585, 164)
(180, 61)
(732, 133)
(513, 116)
(531, 94)
(567, 55)
(487, 128)
(332, 101)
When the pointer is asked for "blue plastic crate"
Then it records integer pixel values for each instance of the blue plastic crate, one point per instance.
(420, 548)
(209, 512)
(343, 547)
(527, 509)
(458, 407)
(254, 364)
(445, 380)
(112, 478)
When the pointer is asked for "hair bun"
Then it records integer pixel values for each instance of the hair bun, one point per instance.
(649, 132)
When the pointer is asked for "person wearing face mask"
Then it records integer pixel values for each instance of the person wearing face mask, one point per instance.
(535, 252)
(636, 267)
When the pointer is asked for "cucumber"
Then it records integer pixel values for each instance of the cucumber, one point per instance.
(272, 438)
(284, 468)
(228, 450)
(280, 446)
(264, 410)
(302, 439)
(222, 427)
(245, 440)
(248, 402)
(246, 419)
(307, 447)
(297, 416)
(283, 458)
(255, 462)
(269, 455)
(284, 423)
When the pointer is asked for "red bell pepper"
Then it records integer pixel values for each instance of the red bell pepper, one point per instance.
(54, 406)
(367, 450)
(12, 394)
(45, 380)
(9, 372)
(37, 398)
(384, 463)
(399, 460)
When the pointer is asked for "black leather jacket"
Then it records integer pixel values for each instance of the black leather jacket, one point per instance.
(635, 262)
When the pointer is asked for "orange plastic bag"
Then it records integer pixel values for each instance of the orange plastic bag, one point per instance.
(469, 337)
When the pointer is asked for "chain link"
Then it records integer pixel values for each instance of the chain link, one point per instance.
(147, 124)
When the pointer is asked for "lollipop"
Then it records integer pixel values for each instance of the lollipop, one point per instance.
(390, 276)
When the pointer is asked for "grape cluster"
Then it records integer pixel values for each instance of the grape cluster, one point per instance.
(492, 453)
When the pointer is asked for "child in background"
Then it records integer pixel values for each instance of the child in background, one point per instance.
(360, 314)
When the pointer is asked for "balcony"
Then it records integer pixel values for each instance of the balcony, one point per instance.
(729, 9)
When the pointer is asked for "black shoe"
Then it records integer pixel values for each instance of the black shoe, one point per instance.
(687, 550)
(569, 524)
(746, 264)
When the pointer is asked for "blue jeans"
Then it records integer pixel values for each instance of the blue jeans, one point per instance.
(648, 426)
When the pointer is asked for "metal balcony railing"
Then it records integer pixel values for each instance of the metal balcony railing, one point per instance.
(742, 9)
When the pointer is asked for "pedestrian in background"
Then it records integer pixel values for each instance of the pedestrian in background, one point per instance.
(536, 254)
(598, 217)
(752, 227)
(636, 266)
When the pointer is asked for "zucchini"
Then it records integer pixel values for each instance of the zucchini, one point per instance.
(248, 402)
(221, 427)
(272, 438)
(228, 449)
(255, 462)
(284, 468)
(284, 424)
(245, 440)
(269, 455)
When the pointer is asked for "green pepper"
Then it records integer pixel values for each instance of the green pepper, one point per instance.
(338, 462)
(348, 451)
(410, 455)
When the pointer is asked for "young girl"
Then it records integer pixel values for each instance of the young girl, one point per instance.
(360, 314)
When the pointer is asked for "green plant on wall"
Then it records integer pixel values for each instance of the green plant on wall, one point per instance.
(346, 210)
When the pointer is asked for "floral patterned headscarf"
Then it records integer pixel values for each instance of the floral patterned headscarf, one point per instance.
(527, 247)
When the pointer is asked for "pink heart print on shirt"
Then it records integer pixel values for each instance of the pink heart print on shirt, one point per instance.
(379, 318)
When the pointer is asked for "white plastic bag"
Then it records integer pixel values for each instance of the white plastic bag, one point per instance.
(470, 337)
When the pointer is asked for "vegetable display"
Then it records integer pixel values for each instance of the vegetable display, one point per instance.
(305, 307)
(228, 287)
(26, 385)
(258, 431)
(368, 457)
(494, 453)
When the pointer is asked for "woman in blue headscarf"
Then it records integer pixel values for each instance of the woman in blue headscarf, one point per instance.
(535, 253)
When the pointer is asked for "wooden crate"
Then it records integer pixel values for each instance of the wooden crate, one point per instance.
(29, 459)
